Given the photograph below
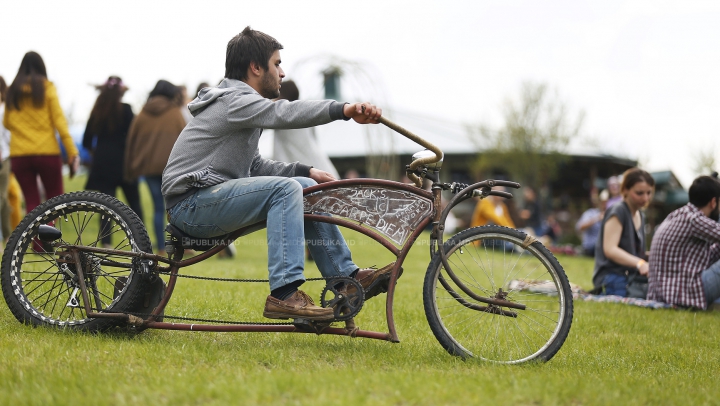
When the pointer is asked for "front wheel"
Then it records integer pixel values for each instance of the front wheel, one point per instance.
(530, 310)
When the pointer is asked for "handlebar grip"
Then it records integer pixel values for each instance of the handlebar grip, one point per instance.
(479, 193)
(501, 194)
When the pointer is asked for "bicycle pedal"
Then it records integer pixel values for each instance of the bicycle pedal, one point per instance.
(304, 325)
(309, 326)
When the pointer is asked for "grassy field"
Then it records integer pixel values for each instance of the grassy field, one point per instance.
(614, 354)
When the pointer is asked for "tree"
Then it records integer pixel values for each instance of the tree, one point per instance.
(530, 145)
(704, 160)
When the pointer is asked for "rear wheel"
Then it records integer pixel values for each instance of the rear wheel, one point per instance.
(40, 280)
(532, 310)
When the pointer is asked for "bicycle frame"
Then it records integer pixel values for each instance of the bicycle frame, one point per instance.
(392, 214)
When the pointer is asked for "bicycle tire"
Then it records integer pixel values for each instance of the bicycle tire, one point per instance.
(37, 289)
(489, 260)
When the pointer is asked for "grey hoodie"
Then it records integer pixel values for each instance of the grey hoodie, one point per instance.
(221, 141)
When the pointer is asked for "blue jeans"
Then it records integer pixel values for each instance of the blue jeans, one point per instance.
(615, 284)
(711, 283)
(226, 207)
(154, 183)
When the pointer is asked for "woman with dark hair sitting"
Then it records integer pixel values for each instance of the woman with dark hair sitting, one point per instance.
(152, 135)
(33, 114)
(620, 252)
(105, 137)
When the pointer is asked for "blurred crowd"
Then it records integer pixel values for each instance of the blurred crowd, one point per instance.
(681, 267)
(124, 147)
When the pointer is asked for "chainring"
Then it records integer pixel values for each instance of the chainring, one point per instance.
(345, 305)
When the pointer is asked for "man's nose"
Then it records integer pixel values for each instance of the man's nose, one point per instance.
(282, 72)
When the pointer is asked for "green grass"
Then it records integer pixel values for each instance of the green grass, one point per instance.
(614, 354)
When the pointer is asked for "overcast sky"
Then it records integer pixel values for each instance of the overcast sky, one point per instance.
(646, 73)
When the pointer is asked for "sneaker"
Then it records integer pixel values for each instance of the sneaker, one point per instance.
(374, 281)
(299, 306)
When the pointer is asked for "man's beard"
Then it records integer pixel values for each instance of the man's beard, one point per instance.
(715, 214)
(269, 87)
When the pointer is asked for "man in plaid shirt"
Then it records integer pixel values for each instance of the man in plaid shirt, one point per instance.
(685, 251)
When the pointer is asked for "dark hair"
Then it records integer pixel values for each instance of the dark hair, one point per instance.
(636, 175)
(166, 89)
(289, 90)
(3, 88)
(246, 47)
(703, 189)
(107, 111)
(32, 70)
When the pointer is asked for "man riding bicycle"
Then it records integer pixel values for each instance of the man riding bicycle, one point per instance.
(216, 181)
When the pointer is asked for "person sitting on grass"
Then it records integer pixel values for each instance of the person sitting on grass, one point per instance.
(216, 181)
(620, 250)
(685, 251)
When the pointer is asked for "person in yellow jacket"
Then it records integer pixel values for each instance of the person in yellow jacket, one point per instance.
(33, 115)
(491, 210)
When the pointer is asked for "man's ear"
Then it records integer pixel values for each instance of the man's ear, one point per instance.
(254, 69)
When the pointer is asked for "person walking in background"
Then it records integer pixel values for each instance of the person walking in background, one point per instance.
(620, 251)
(33, 114)
(299, 144)
(152, 135)
(105, 137)
(590, 222)
(4, 168)
(613, 187)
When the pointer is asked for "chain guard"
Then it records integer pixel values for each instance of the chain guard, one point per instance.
(345, 305)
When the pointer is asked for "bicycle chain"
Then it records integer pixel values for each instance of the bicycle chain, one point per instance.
(226, 280)
(241, 280)
(212, 320)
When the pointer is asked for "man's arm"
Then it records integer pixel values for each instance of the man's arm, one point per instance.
(250, 110)
(588, 219)
(267, 167)
(706, 229)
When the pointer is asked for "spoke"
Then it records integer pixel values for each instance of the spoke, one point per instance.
(484, 290)
(33, 262)
(480, 265)
(36, 288)
(45, 272)
(49, 297)
(85, 221)
(40, 280)
(475, 282)
(524, 318)
(524, 337)
(542, 315)
(507, 276)
(491, 261)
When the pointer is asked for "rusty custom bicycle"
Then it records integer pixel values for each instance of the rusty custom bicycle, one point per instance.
(479, 291)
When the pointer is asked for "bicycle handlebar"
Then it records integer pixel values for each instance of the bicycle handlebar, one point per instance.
(412, 137)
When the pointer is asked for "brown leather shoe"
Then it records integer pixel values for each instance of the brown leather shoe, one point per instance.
(297, 306)
(374, 281)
